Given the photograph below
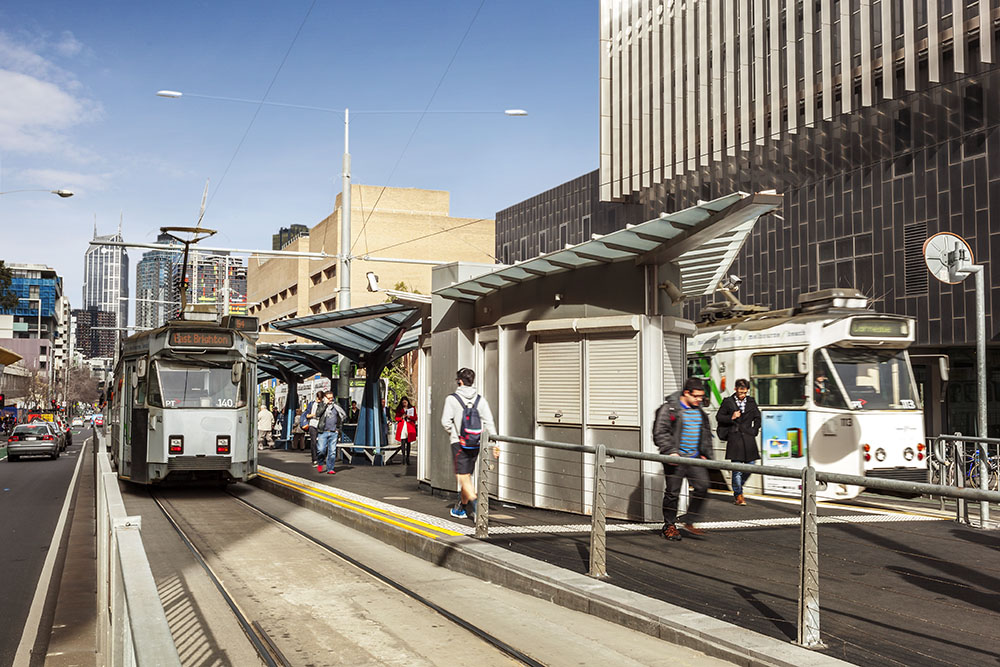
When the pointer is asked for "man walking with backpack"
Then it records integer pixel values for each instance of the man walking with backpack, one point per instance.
(465, 416)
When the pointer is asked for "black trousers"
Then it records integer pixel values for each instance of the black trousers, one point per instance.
(697, 482)
(313, 435)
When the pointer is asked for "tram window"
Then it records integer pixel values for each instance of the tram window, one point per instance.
(776, 379)
(826, 393)
(179, 385)
(140, 393)
(875, 379)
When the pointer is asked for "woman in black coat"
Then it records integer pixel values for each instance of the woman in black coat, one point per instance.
(738, 424)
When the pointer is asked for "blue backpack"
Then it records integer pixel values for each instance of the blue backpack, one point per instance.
(471, 431)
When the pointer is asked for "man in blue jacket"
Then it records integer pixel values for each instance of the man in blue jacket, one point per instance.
(681, 429)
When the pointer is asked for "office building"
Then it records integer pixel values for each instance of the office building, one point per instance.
(155, 301)
(877, 122)
(96, 334)
(105, 278)
(288, 234)
(217, 279)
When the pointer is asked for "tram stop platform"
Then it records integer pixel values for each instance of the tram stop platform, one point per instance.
(731, 593)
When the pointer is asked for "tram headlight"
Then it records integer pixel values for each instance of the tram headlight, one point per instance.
(222, 444)
(880, 454)
(176, 443)
(908, 453)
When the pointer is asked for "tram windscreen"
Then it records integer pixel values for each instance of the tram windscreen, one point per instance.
(874, 379)
(180, 385)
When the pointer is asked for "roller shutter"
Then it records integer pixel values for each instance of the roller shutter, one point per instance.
(674, 355)
(559, 378)
(613, 381)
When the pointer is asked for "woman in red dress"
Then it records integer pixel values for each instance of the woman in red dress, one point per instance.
(406, 426)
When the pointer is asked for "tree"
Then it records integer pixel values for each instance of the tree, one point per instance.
(81, 386)
(8, 300)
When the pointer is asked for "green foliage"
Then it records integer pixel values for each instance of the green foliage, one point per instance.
(8, 300)
(398, 376)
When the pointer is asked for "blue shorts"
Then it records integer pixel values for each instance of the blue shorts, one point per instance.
(464, 458)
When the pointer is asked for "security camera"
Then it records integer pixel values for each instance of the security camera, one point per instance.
(372, 281)
(674, 292)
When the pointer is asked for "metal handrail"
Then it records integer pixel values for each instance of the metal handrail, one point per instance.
(808, 616)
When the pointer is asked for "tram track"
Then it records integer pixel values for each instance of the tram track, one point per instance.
(259, 638)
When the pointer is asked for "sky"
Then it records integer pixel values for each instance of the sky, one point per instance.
(78, 111)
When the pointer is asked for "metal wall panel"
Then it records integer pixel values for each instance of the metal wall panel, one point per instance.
(731, 65)
(645, 27)
(655, 9)
(516, 468)
(888, 57)
(558, 381)
(606, 83)
(612, 369)
(625, 93)
(691, 85)
(745, 68)
(985, 31)
(668, 96)
(678, 67)
(958, 34)
(759, 63)
(809, 61)
(674, 362)
(616, 104)
(704, 110)
(774, 130)
(792, 96)
(933, 41)
(718, 68)
(910, 46)
(846, 58)
(866, 53)
(635, 97)
(826, 52)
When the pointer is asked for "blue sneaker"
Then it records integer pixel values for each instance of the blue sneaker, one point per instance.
(458, 512)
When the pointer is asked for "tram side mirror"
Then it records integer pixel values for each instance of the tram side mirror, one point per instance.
(238, 372)
(140, 368)
(943, 368)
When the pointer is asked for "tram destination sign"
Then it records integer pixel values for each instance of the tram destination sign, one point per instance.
(880, 328)
(201, 339)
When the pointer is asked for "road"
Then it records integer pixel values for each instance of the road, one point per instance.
(32, 492)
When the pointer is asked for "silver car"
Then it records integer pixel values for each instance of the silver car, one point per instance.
(37, 438)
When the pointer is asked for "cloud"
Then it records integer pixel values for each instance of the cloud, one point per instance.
(68, 46)
(40, 102)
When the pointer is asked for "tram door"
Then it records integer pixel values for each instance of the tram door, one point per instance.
(124, 427)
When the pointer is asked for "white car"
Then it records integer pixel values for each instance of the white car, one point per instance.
(77, 421)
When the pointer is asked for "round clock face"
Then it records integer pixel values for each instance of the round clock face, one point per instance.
(936, 251)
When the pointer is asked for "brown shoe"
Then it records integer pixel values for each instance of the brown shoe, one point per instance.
(689, 527)
(671, 533)
(739, 500)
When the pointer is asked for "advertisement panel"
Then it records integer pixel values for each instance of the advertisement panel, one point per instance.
(783, 443)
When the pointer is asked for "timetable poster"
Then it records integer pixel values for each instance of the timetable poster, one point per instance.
(783, 443)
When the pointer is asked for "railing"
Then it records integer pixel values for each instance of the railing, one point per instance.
(965, 461)
(808, 634)
(132, 626)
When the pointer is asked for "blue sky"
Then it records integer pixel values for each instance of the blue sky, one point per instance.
(79, 111)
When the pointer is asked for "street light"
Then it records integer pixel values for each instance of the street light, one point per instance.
(60, 193)
(344, 268)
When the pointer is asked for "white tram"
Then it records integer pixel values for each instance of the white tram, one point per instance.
(181, 405)
(833, 382)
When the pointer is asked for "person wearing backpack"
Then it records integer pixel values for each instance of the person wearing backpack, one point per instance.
(465, 416)
(681, 428)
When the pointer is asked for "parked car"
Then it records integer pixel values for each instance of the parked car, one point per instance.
(77, 421)
(98, 420)
(67, 434)
(33, 439)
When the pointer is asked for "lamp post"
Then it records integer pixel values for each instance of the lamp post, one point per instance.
(344, 268)
(60, 193)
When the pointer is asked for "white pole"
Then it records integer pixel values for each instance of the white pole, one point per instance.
(344, 299)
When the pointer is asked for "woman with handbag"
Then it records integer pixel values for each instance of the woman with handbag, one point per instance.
(738, 421)
(406, 426)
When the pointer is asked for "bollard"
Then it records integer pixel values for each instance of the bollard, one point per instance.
(483, 502)
(808, 621)
(598, 516)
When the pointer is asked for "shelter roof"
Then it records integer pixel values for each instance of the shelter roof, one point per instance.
(702, 239)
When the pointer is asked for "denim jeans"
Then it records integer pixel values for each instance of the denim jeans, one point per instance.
(326, 449)
(740, 478)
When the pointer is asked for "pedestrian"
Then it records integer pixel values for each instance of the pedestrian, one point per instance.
(352, 416)
(329, 430)
(464, 412)
(406, 427)
(738, 422)
(681, 429)
(265, 422)
(312, 422)
(298, 433)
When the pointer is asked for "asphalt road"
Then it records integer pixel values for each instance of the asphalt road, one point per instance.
(32, 492)
(891, 593)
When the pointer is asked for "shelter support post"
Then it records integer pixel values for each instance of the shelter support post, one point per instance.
(808, 616)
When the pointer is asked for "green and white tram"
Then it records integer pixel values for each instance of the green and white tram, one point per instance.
(181, 408)
(834, 385)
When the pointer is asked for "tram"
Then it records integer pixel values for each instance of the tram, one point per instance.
(181, 404)
(833, 382)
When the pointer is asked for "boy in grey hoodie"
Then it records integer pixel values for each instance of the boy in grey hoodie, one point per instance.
(465, 457)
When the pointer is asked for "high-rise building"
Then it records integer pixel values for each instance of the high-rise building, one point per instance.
(217, 279)
(96, 335)
(105, 278)
(877, 121)
(155, 296)
(39, 324)
(288, 234)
